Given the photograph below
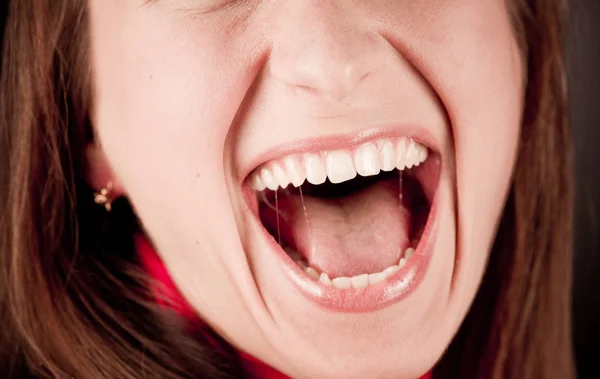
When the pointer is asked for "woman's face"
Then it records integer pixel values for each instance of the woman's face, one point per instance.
(200, 104)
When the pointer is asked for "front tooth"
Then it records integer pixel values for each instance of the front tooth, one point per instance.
(409, 252)
(360, 281)
(411, 155)
(376, 278)
(401, 155)
(366, 160)
(324, 278)
(315, 170)
(342, 282)
(257, 183)
(294, 170)
(268, 179)
(312, 273)
(388, 158)
(339, 166)
(280, 176)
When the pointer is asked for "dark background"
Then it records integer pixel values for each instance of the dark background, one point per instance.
(583, 65)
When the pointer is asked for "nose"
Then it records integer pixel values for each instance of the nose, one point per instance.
(321, 46)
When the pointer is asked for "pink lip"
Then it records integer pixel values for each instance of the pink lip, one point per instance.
(390, 291)
(394, 288)
(345, 141)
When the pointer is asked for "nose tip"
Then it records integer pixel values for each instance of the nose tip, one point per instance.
(323, 51)
(329, 79)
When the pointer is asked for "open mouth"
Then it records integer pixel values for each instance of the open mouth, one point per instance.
(350, 218)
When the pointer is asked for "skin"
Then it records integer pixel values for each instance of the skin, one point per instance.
(189, 94)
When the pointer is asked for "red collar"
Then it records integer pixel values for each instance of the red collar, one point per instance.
(167, 290)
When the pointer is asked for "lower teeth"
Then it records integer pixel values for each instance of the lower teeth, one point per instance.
(344, 282)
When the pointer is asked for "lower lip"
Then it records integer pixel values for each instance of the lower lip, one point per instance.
(371, 298)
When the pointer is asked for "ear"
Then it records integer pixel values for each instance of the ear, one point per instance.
(98, 172)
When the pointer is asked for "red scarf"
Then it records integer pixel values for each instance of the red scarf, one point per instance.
(155, 267)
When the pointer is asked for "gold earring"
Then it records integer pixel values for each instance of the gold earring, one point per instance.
(104, 196)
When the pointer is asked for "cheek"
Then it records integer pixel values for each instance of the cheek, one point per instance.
(165, 97)
(168, 94)
(482, 93)
(154, 88)
(467, 52)
(486, 137)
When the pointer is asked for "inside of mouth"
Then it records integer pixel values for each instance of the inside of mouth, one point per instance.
(366, 228)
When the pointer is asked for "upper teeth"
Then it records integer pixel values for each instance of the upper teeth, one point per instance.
(339, 165)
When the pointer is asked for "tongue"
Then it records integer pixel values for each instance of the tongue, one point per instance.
(361, 233)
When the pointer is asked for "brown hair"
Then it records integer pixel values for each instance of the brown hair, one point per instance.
(73, 302)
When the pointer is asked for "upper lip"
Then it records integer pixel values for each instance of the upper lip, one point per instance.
(343, 141)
